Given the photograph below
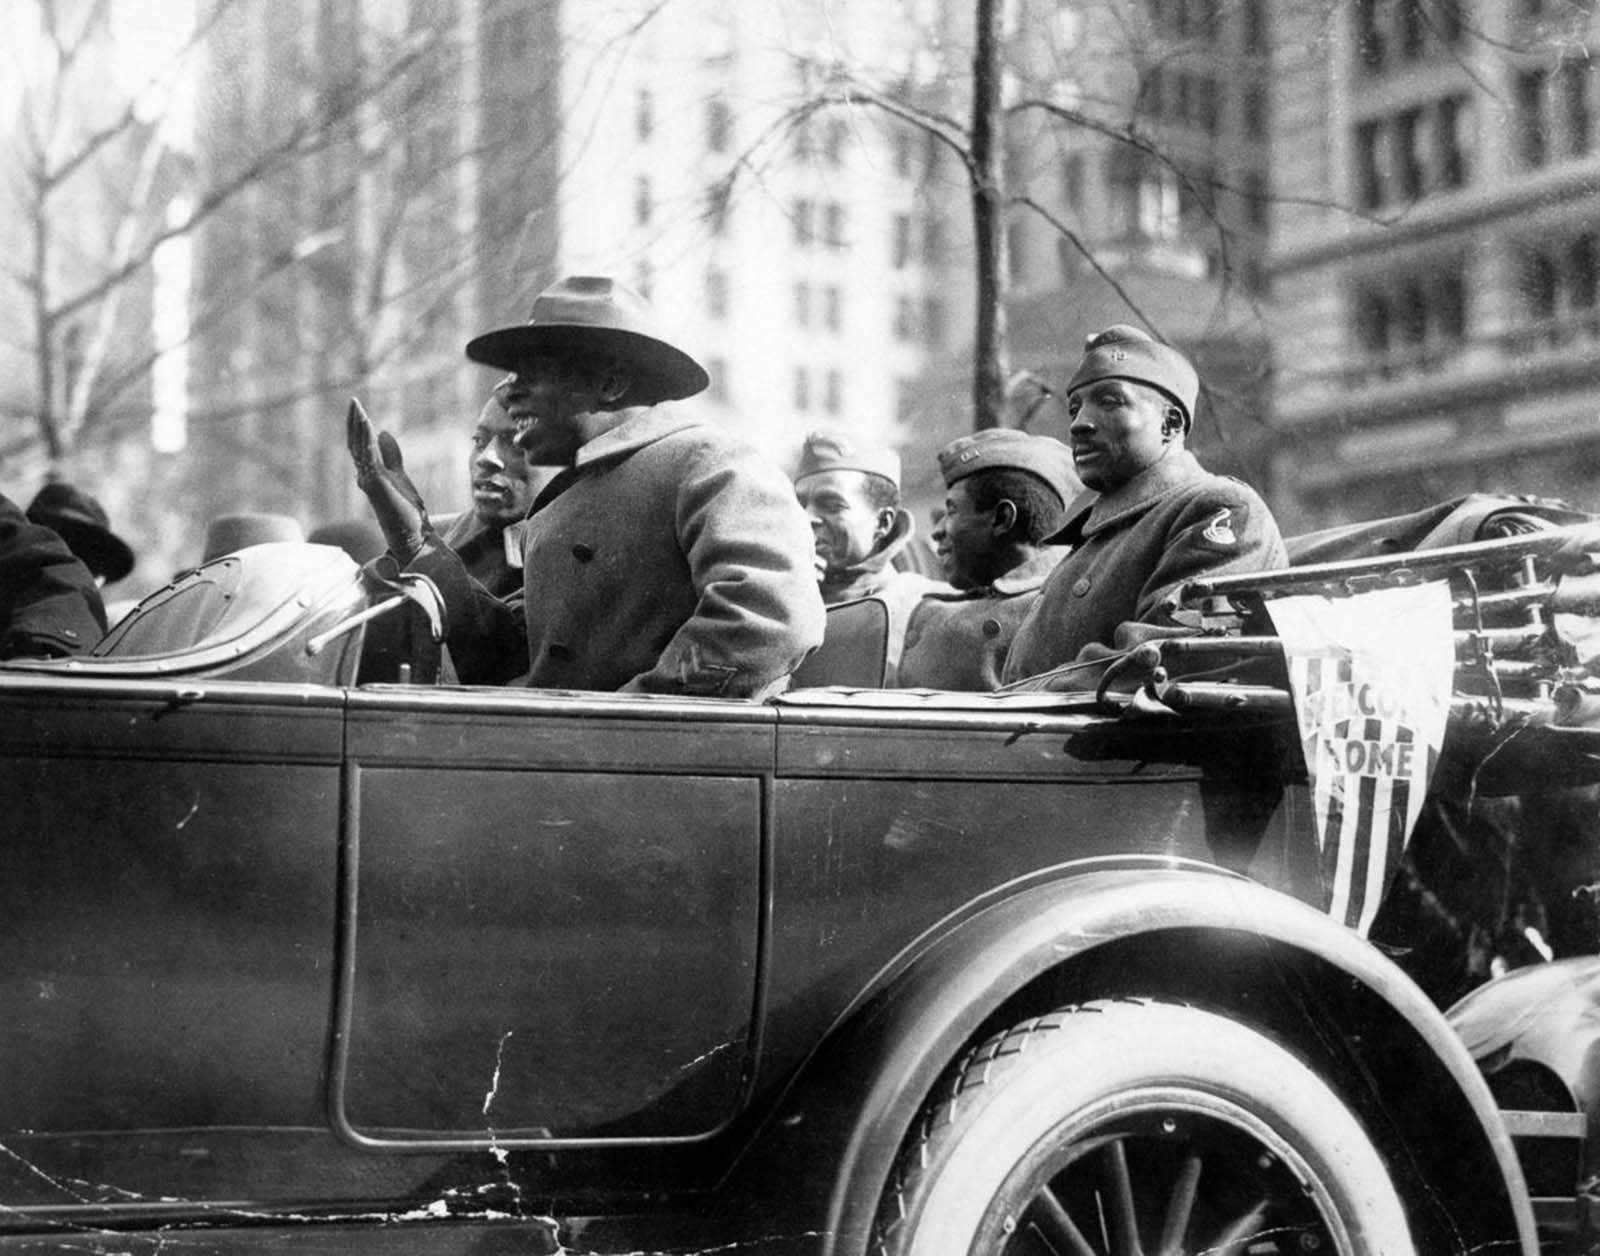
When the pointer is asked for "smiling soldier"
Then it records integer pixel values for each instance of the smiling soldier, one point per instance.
(1155, 517)
(666, 556)
(1005, 493)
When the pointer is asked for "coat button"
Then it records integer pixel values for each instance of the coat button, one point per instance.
(582, 552)
(991, 628)
(1081, 587)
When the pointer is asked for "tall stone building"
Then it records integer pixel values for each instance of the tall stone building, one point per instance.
(1436, 268)
(398, 162)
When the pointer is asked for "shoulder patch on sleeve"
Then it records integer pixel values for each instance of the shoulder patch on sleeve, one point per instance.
(1219, 531)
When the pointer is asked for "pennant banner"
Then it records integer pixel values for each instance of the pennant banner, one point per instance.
(1371, 676)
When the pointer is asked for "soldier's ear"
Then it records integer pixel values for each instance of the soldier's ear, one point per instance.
(1005, 515)
(1171, 422)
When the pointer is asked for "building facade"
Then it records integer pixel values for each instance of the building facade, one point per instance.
(1435, 274)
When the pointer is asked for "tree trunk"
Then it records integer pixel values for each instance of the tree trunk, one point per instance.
(988, 217)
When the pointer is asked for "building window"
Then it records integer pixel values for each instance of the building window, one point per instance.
(802, 305)
(1255, 111)
(1072, 181)
(1258, 196)
(833, 308)
(643, 201)
(1392, 34)
(644, 278)
(801, 216)
(1530, 117)
(933, 329)
(1413, 153)
(644, 114)
(1558, 286)
(834, 139)
(932, 241)
(719, 125)
(718, 199)
(905, 319)
(1578, 118)
(900, 242)
(802, 389)
(1409, 323)
(1255, 26)
(717, 294)
(833, 229)
(833, 392)
(718, 391)
(901, 140)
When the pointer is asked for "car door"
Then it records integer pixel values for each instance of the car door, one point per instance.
(167, 924)
(554, 916)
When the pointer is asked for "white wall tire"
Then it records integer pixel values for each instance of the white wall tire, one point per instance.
(1138, 1127)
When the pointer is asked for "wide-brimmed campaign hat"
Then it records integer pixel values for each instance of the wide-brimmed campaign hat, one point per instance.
(80, 521)
(595, 314)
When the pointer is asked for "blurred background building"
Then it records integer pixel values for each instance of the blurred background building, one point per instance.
(1371, 224)
(1442, 338)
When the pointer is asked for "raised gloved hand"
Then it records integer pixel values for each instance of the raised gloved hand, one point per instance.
(381, 475)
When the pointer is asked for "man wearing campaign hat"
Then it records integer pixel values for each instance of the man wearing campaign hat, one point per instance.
(666, 556)
(1006, 492)
(850, 490)
(1155, 518)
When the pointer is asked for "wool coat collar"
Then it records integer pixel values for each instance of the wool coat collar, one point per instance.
(1096, 512)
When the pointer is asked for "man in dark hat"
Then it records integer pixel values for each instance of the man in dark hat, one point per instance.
(1005, 493)
(82, 523)
(850, 490)
(1155, 517)
(49, 603)
(666, 557)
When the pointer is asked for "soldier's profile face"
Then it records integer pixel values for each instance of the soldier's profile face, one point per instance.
(845, 525)
(964, 539)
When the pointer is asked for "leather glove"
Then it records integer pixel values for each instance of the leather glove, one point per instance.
(381, 475)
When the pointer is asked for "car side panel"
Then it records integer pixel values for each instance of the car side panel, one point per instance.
(868, 857)
(556, 919)
(167, 906)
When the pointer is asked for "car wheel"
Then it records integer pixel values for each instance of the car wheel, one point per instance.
(1133, 1126)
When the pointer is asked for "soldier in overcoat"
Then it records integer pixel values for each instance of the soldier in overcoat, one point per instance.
(850, 490)
(667, 556)
(1005, 493)
(1154, 518)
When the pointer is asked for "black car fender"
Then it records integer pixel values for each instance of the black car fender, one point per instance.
(1160, 928)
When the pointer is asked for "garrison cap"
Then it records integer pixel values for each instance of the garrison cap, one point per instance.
(1123, 352)
(831, 450)
(1042, 456)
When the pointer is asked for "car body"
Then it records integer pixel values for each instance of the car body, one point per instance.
(294, 960)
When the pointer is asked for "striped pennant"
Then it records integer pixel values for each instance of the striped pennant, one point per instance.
(1371, 677)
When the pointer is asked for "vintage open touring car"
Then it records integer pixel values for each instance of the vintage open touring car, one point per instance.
(304, 951)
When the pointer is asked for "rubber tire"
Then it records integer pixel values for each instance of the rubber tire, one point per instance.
(1012, 1115)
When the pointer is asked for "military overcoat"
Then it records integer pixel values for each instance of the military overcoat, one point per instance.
(1131, 549)
(959, 639)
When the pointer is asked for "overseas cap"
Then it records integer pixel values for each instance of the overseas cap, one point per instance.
(1123, 352)
(1042, 456)
(837, 451)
